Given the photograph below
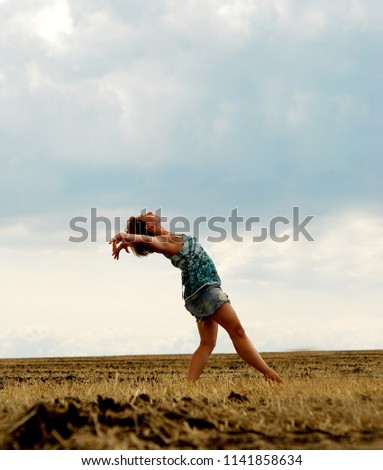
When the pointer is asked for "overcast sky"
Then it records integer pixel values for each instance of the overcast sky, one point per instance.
(197, 108)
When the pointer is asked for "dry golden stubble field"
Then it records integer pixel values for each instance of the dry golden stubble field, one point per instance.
(330, 400)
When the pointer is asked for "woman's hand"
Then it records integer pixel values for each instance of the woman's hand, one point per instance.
(117, 245)
(116, 251)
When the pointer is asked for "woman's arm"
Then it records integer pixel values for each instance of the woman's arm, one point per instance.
(131, 238)
(123, 240)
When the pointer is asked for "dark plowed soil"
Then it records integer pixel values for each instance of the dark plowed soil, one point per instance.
(232, 409)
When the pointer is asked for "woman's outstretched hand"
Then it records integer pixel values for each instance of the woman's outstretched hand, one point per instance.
(117, 246)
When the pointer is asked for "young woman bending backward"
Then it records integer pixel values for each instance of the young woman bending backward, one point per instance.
(203, 296)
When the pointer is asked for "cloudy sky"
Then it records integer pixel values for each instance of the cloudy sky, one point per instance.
(197, 108)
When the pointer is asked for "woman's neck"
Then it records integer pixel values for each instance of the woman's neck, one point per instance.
(161, 231)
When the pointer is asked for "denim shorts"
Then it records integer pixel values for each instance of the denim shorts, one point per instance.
(205, 301)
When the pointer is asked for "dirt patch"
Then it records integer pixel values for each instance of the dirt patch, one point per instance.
(144, 403)
(53, 424)
(143, 424)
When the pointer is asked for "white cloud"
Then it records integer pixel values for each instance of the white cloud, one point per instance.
(150, 99)
(347, 250)
(326, 328)
(237, 15)
(232, 24)
(40, 341)
(78, 301)
(126, 112)
(312, 20)
(297, 114)
(118, 89)
(347, 247)
(53, 21)
(224, 122)
(228, 101)
(351, 248)
(289, 108)
(97, 34)
(38, 81)
(52, 24)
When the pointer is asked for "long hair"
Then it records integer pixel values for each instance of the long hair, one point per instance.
(137, 226)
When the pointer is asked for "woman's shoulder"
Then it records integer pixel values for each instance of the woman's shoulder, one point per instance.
(172, 243)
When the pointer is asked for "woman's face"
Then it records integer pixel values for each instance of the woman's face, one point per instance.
(150, 219)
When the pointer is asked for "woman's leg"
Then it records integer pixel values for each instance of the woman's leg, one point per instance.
(228, 319)
(208, 330)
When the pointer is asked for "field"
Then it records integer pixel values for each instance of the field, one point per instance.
(329, 400)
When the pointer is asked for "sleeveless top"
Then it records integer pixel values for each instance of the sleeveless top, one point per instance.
(197, 268)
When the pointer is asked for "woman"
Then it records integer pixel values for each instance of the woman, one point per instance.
(203, 295)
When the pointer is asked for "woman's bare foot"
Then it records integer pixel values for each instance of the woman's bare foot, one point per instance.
(272, 376)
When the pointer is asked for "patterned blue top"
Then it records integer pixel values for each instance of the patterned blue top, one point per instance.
(196, 265)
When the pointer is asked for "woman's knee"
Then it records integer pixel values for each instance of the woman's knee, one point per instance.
(208, 344)
(228, 319)
(236, 331)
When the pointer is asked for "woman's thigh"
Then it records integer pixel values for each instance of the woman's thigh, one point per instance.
(208, 330)
(228, 319)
